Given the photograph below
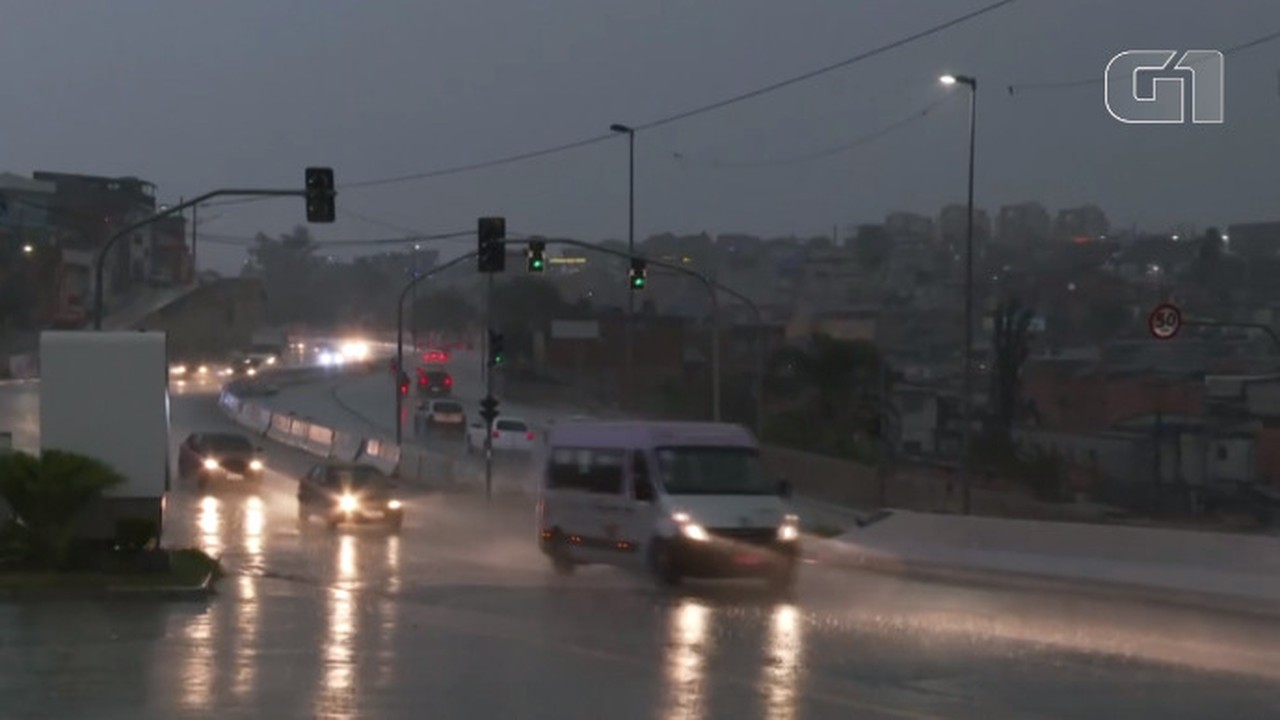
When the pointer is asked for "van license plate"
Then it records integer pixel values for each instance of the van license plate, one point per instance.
(748, 559)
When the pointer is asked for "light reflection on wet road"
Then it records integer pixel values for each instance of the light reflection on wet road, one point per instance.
(459, 616)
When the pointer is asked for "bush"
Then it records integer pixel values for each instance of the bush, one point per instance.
(46, 493)
(136, 534)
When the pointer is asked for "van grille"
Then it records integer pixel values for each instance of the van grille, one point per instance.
(754, 536)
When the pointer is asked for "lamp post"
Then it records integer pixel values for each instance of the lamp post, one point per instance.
(631, 251)
(408, 288)
(967, 399)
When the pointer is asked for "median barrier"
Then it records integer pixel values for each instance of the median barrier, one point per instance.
(254, 417)
(346, 446)
(318, 441)
(381, 454)
(280, 428)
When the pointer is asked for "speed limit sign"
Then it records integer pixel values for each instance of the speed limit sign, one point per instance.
(1165, 322)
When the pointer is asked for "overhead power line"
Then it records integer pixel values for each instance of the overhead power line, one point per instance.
(1098, 80)
(700, 110)
(837, 149)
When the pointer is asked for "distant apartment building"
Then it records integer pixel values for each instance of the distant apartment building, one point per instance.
(905, 224)
(1254, 241)
(88, 210)
(953, 228)
(1025, 225)
(1081, 224)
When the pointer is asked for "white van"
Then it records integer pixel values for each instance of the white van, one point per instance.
(678, 499)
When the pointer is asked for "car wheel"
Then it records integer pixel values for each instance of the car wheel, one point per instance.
(662, 563)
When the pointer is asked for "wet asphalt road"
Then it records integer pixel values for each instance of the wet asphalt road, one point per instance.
(459, 617)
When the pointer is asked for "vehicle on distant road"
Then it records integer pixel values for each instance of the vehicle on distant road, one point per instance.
(220, 456)
(675, 499)
(342, 493)
(434, 382)
(435, 356)
(439, 416)
(510, 435)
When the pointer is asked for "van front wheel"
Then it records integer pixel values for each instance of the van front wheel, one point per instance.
(662, 562)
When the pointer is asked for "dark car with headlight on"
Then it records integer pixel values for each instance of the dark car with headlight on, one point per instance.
(342, 493)
(219, 456)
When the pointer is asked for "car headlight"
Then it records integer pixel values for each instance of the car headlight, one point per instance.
(347, 503)
(393, 505)
(255, 465)
(203, 370)
(210, 464)
(251, 372)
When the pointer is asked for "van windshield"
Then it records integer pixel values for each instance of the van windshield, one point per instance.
(693, 470)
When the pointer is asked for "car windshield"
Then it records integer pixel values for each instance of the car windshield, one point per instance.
(511, 426)
(447, 407)
(227, 443)
(713, 471)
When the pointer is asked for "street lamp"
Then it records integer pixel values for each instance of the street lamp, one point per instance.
(28, 248)
(967, 399)
(630, 132)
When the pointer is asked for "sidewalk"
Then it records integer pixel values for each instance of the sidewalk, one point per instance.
(1216, 571)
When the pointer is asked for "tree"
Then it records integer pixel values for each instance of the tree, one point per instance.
(288, 268)
(1010, 343)
(841, 382)
(46, 494)
(447, 310)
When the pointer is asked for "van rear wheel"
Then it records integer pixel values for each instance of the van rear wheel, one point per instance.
(558, 551)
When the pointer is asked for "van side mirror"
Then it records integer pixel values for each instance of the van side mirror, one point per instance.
(784, 488)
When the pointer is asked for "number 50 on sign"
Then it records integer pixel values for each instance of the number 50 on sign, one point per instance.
(1165, 322)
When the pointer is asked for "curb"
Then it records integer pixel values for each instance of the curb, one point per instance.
(201, 591)
(1049, 583)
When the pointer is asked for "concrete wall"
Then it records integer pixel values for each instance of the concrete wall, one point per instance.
(218, 317)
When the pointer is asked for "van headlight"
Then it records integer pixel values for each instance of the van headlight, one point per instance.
(689, 528)
(347, 503)
(210, 464)
(255, 465)
(789, 530)
(393, 505)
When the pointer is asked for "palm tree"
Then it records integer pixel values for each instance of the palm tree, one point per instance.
(45, 495)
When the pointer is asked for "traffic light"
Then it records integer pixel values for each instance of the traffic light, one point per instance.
(489, 409)
(537, 256)
(404, 383)
(497, 351)
(321, 205)
(490, 252)
(639, 275)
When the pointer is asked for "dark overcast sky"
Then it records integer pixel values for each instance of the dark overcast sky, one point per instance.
(194, 95)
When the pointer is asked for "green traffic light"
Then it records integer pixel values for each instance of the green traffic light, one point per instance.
(637, 282)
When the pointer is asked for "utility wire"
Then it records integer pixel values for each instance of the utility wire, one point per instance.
(837, 149)
(700, 110)
(1088, 82)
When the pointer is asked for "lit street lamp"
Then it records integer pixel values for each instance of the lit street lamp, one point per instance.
(967, 399)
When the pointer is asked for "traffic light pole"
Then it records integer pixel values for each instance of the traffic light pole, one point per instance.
(488, 387)
(101, 260)
(707, 282)
(408, 288)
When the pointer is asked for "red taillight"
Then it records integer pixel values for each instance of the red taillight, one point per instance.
(528, 435)
(422, 380)
(497, 433)
(448, 382)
